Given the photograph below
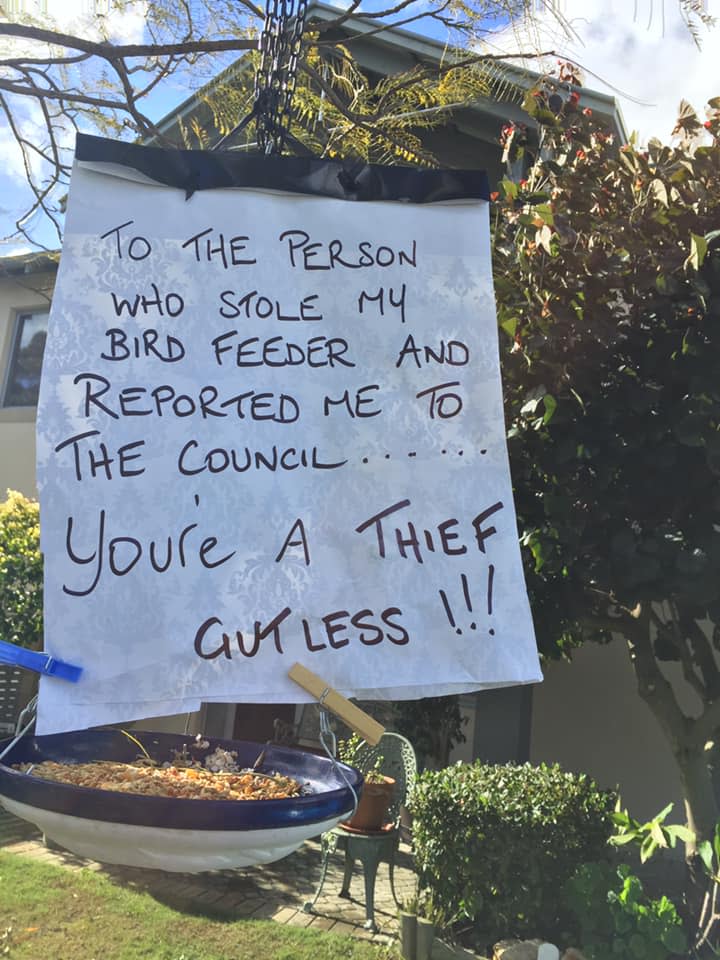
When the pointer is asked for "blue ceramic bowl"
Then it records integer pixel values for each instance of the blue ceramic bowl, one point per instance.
(172, 833)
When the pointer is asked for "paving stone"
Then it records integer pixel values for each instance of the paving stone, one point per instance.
(277, 890)
(301, 919)
(284, 915)
(25, 847)
(265, 911)
(209, 897)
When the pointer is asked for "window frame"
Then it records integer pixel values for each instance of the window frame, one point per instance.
(20, 314)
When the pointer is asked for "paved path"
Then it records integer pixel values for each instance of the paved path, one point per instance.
(276, 891)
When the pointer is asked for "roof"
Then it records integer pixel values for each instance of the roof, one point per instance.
(29, 263)
(394, 50)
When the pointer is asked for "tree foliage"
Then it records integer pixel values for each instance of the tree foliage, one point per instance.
(607, 266)
(54, 81)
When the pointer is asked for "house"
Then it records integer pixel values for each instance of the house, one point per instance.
(587, 715)
(26, 285)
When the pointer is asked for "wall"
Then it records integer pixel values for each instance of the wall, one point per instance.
(24, 292)
(588, 717)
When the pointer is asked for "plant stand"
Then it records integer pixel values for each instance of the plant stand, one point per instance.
(408, 935)
(17, 688)
(425, 939)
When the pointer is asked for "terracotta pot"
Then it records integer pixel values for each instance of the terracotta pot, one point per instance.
(371, 813)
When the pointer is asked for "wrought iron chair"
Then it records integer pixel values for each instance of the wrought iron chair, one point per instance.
(17, 687)
(370, 848)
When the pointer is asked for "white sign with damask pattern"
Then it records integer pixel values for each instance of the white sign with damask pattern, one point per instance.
(271, 430)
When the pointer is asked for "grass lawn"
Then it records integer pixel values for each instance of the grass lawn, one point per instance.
(47, 911)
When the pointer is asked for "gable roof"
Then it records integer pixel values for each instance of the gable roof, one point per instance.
(394, 50)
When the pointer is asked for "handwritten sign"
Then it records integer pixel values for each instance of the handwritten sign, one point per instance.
(270, 430)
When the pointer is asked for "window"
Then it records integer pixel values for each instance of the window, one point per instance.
(23, 379)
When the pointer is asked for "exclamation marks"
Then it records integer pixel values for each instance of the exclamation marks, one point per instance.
(491, 579)
(468, 601)
(466, 594)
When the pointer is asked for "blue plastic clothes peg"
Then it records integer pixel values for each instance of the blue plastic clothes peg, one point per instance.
(39, 662)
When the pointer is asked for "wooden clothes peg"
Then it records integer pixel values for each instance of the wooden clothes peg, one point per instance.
(359, 721)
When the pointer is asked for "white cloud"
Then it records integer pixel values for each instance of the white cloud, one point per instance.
(91, 19)
(640, 52)
(121, 23)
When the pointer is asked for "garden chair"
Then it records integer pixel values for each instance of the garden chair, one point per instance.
(17, 687)
(370, 848)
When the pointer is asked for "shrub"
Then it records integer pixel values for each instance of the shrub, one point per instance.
(21, 572)
(615, 920)
(495, 844)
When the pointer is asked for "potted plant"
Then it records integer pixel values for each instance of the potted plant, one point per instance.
(431, 918)
(377, 791)
(407, 917)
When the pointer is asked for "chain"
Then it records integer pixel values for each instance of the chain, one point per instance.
(275, 80)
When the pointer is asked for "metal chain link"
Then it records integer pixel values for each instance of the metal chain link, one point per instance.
(276, 77)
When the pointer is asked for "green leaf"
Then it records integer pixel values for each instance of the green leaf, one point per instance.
(678, 832)
(656, 832)
(705, 852)
(543, 238)
(509, 189)
(698, 249)
(622, 839)
(550, 404)
(659, 191)
(659, 817)
(647, 848)
(637, 946)
(674, 939)
(510, 325)
(716, 842)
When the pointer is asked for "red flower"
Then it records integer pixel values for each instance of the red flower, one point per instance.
(523, 183)
(587, 112)
(708, 124)
(580, 154)
(494, 195)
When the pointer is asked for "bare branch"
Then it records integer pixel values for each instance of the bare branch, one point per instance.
(46, 61)
(110, 51)
(64, 96)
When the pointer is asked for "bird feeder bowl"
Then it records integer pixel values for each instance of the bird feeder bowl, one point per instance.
(173, 834)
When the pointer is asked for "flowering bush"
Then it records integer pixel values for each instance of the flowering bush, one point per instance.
(607, 273)
(21, 572)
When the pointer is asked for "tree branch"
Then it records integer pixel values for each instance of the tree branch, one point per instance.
(357, 119)
(706, 726)
(110, 51)
(64, 96)
(653, 686)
